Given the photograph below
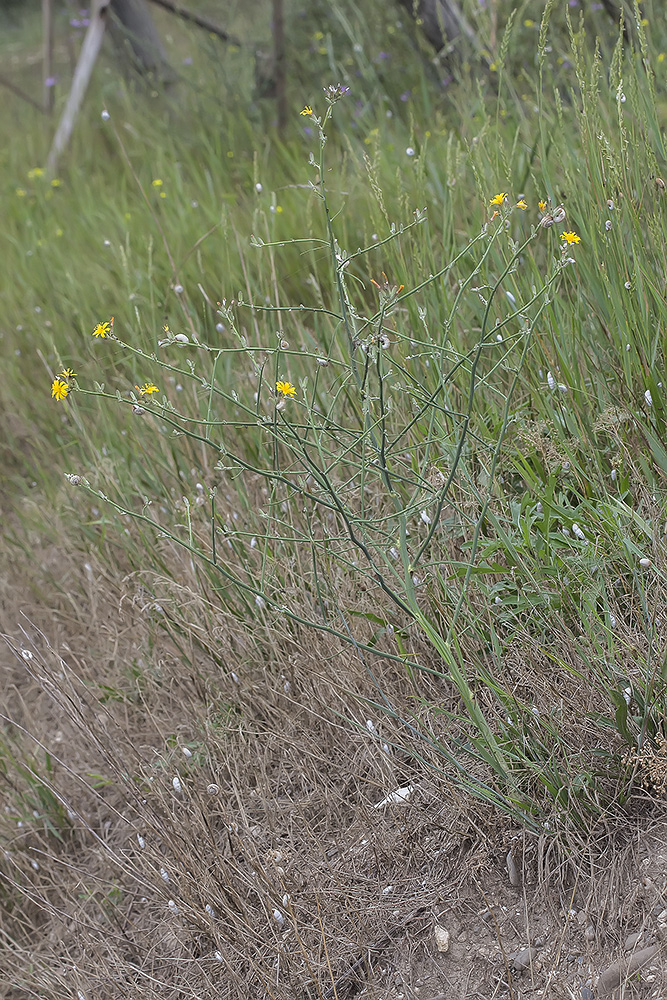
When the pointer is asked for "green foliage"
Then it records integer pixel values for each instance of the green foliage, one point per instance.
(477, 432)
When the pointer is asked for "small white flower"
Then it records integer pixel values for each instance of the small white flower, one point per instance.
(258, 188)
(612, 621)
(614, 475)
(371, 728)
(211, 912)
(172, 906)
(176, 782)
(141, 841)
(644, 563)
(499, 338)
(498, 600)
(187, 752)
(577, 532)
(260, 602)
(279, 918)
(425, 518)
(409, 151)
(178, 289)
(105, 116)
(218, 956)
(551, 381)
(253, 542)
(26, 654)
(323, 362)
(648, 397)
(220, 327)
(164, 874)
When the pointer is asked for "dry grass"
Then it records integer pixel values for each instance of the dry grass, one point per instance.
(311, 891)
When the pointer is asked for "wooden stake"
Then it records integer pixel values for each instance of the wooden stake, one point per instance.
(47, 68)
(84, 68)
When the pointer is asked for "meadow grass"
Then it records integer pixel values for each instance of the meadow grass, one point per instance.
(456, 503)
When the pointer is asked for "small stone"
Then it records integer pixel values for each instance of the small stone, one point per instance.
(589, 933)
(441, 938)
(616, 973)
(631, 940)
(512, 870)
(524, 959)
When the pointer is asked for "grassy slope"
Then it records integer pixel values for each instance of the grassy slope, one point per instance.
(552, 645)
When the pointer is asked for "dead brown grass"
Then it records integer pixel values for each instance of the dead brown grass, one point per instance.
(268, 871)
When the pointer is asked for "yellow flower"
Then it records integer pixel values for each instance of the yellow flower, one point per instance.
(522, 205)
(66, 373)
(542, 205)
(102, 329)
(285, 389)
(34, 173)
(499, 198)
(59, 389)
(20, 193)
(570, 238)
(147, 389)
(56, 182)
(307, 110)
(157, 183)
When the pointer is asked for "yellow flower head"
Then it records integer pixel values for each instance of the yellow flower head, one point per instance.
(20, 193)
(147, 389)
(59, 389)
(542, 205)
(285, 389)
(522, 205)
(307, 110)
(570, 238)
(66, 373)
(103, 329)
(499, 198)
(35, 173)
(157, 183)
(56, 182)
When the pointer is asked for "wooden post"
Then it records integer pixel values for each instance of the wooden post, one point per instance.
(47, 31)
(84, 68)
(279, 64)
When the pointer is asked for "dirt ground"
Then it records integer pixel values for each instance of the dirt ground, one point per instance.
(220, 833)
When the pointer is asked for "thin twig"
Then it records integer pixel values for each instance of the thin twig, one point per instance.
(4, 82)
(201, 22)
